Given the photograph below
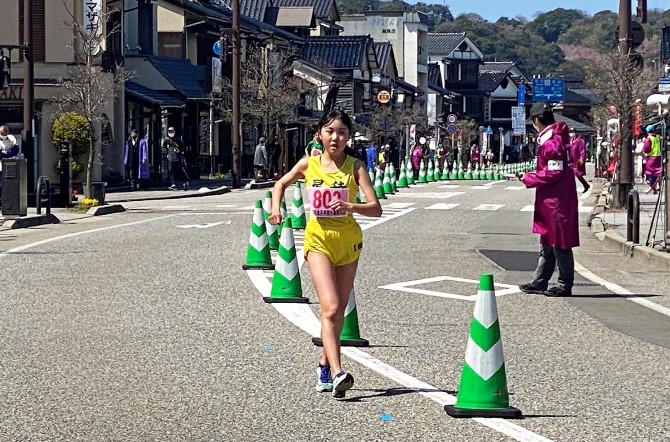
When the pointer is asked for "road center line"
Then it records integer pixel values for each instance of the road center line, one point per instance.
(303, 317)
(83, 232)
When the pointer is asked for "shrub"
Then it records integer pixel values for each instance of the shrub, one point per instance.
(72, 128)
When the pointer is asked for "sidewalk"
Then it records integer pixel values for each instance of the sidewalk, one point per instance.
(610, 226)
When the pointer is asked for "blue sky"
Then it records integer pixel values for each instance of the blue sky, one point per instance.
(492, 10)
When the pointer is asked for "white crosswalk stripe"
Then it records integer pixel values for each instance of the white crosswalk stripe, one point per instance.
(489, 207)
(530, 208)
(442, 206)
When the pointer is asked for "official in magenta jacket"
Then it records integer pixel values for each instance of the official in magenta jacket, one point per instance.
(578, 156)
(556, 217)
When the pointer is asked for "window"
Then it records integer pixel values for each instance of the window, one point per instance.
(474, 105)
(171, 44)
(145, 28)
(38, 29)
(469, 73)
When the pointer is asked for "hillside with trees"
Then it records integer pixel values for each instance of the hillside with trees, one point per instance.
(558, 42)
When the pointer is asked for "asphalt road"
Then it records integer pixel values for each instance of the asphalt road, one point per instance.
(142, 326)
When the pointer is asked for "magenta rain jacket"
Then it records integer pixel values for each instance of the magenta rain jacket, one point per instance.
(578, 155)
(556, 218)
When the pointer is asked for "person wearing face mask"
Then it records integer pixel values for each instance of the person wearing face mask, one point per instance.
(578, 155)
(556, 218)
(175, 156)
(8, 147)
(135, 159)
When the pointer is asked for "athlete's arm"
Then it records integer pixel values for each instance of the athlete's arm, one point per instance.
(280, 186)
(369, 208)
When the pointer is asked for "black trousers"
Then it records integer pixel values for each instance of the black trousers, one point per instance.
(550, 258)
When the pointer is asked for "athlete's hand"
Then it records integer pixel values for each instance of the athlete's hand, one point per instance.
(338, 204)
(275, 218)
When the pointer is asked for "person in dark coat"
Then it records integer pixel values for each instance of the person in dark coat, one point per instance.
(175, 156)
(556, 217)
(136, 161)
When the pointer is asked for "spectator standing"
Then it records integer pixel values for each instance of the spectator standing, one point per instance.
(314, 147)
(653, 164)
(8, 147)
(578, 157)
(136, 160)
(260, 160)
(475, 154)
(417, 156)
(371, 157)
(175, 155)
(556, 219)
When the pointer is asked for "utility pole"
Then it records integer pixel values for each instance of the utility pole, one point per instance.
(236, 129)
(27, 136)
(626, 179)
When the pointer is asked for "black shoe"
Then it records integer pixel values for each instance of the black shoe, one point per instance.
(558, 292)
(586, 188)
(531, 289)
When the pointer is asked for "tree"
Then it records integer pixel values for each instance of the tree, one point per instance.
(88, 89)
(269, 93)
(550, 25)
(619, 80)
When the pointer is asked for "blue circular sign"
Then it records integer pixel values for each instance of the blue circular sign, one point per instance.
(452, 128)
(217, 48)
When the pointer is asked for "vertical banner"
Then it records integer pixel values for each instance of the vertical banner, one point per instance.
(412, 135)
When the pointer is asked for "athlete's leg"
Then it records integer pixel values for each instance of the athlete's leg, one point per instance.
(323, 277)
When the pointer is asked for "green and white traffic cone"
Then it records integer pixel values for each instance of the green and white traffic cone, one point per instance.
(409, 171)
(394, 182)
(388, 188)
(402, 178)
(453, 175)
(286, 283)
(273, 233)
(298, 217)
(258, 252)
(445, 171)
(379, 186)
(422, 173)
(475, 172)
(371, 173)
(483, 388)
(496, 173)
(489, 173)
(460, 175)
(351, 333)
(357, 200)
(430, 173)
(468, 173)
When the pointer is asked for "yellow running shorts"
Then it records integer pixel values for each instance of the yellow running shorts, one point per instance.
(342, 245)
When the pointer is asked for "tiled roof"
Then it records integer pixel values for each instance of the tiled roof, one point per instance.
(161, 98)
(383, 51)
(321, 7)
(188, 79)
(434, 75)
(592, 96)
(489, 81)
(338, 52)
(496, 66)
(444, 43)
(251, 8)
(572, 96)
(291, 16)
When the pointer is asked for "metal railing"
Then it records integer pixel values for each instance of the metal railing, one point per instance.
(633, 217)
(43, 195)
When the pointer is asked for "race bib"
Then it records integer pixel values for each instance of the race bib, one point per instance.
(320, 198)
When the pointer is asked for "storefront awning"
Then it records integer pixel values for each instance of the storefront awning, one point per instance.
(409, 87)
(164, 99)
(188, 79)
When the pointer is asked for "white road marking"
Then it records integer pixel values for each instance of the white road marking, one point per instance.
(442, 206)
(484, 187)
(617, 289)
(408, 288)
(450, 186)
(529, 208)
(584, 209)
(515, 187)
(489, 207)
(436, 195)
(203, 226)
(302, 316)
(83, 232)
(178, 208)
(225, 206)
(397, 206)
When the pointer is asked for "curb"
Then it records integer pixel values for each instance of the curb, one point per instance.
(638, 252)
(105, 210)
(264, 185)
(31, 221)
(219, 191)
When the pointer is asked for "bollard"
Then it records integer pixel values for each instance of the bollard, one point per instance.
(633, 217)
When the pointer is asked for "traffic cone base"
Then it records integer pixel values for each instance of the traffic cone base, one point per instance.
(351, 333)
(482, 391)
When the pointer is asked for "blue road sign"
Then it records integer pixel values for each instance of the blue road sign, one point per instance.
(452, 128)
(549, 90)
(489, 130)
(521, 95)
(217, 48)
